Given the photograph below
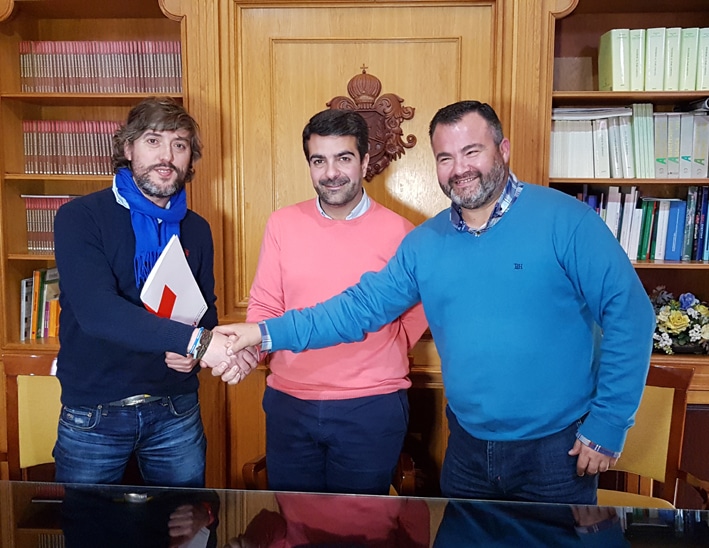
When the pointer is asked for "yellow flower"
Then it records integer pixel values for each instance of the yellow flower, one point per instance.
(676, 322)
(702, 309)
(705, 332)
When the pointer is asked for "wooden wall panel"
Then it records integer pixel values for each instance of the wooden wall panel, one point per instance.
(293, 60)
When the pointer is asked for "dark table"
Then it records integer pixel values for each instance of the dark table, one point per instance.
(50, 515)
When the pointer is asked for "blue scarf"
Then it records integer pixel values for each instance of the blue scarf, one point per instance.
(150, 235)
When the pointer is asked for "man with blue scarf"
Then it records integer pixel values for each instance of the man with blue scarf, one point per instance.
(128, 377)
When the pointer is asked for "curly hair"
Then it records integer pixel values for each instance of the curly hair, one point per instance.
(156, 114)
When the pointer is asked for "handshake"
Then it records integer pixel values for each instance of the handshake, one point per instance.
(236, 351)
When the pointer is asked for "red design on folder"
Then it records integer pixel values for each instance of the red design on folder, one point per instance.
(167, 303)
(171, 290)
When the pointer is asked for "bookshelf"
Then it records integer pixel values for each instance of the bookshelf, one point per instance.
(575, 81)
(52, 22)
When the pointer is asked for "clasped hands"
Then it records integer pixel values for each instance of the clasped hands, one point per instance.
(232, 354)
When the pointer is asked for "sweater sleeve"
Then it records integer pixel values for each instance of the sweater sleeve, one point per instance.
(91, 288)
(602, 274)
(378, 298)
(266, 298)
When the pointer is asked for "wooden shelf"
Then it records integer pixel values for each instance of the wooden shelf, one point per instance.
(602, 98)
(82, 99)
(627, 182)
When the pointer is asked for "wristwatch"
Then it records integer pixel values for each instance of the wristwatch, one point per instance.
(202, 345)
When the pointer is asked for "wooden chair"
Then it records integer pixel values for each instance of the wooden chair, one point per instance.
(404, 483)
(653, 449)
(33, 405)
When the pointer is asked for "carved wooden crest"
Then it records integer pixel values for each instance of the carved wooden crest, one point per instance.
(384, 115)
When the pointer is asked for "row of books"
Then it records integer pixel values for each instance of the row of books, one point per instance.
(629, 142)
(100, 66)
(654, 59)
(650, 228)
(68, 147)
(40, 211)
(39, 305)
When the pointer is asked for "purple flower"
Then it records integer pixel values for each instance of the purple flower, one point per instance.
(686, 300)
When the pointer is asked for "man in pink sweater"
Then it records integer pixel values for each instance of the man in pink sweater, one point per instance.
(336, 418)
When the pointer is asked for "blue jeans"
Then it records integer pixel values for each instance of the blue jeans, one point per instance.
(334, 446)
(527, 470)
(94, 444)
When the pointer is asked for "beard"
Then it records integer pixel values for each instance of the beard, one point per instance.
(339, 196)
(163, 190)
(489, 185)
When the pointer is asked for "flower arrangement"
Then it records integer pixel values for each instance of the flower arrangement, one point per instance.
(681, 323)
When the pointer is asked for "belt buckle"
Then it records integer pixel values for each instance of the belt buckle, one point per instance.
(134, 400)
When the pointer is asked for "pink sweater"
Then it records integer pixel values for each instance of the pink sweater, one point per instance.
(305, 259)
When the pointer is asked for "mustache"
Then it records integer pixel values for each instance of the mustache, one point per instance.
(164, 165)
(453, 179)
(334, 182)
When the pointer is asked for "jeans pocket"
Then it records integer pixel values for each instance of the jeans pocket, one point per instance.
(184, 404)
(80, 418)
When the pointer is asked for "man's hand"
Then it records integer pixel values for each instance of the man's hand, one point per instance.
(185, 522)
(245, 361)
(590, 461)
(216, 351)
(241, 335)
(178, 362)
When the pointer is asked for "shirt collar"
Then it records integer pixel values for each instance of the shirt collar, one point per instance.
(512, 189)
(359, 210)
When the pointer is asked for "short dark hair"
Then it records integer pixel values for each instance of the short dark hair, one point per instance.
(338, 123)
(157, 114)
(454, 113)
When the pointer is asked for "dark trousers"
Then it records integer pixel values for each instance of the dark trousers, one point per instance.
(528, 470)
(334, 446)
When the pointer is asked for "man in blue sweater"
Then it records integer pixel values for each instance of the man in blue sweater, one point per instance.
(542, 325)
(128, 377)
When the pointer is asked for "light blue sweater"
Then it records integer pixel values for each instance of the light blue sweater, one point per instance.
(515, 314)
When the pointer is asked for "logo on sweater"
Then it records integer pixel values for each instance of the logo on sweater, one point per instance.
(518, 266)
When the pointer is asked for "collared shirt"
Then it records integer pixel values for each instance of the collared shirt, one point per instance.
(359, 210)
(504, 202)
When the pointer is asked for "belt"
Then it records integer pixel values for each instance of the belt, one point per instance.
(135, 400)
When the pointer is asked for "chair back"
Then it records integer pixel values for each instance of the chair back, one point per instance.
(32, 410)
(653, 448)
(38, 407)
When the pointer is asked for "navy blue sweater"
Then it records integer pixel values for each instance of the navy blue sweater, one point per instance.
(111, 346)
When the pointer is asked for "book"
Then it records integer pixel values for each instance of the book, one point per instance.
(700, 150)
(613, 210)
(700, 223)
(688, 59)
(675, 230)
(637, 59)
(171, 291)
(673, 144)
(636, 225)
(614, 60)
(686, 144)
(37, 276)
(648, 226)
(660, 120)
(601, 152)
(687, 241)
(663, 218)
(615, 150)
(673, 40)
(626, 147)
(655, 59)
(51, 294)
(702, 80)
(629, 201)
(26, 309)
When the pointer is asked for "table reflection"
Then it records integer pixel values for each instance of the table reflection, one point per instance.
(51, 515)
